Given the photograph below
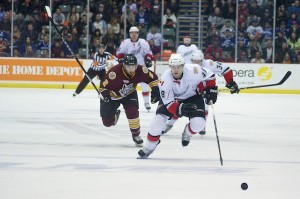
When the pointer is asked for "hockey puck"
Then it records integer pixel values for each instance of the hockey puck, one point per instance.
(244, 186)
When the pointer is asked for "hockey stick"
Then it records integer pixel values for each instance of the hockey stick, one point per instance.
(50, 18)
(215, 123)
(285, 77)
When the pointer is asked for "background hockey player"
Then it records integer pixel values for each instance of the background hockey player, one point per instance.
(217, 68)
(119, 87)
(186, 49)
(141, 49)
(181, 88)
(97, 68)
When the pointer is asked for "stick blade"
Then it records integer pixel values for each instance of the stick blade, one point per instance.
(48, 11)
(286, 76)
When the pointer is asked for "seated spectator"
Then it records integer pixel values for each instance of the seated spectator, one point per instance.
(282, 28)
(16, 35)
(29, 32)
(155, 16)
(228, 42)
(20, 22)
(142, 33)
(240, 49)
(5, 24)
(294, 8)
(294, 41)
(3, 47)
(266, 17)
(88, 14)
(294, 28)
(131, 5)
(255, 31)
(43, 47)
(218, 57)
(280, 52)
(155, 49)
(279, 40)
(73, 45)
(56, 49)
(229, 10)
(242, 37)
(214, 34)
(100, 24)
(169, 20)
(105, 11)
(130, 19)
(287, 59)
(253, 48)
(58, 17)
(96, 35)
(114, 24)
(16, 52)
(110, 36)
(111, 47)
(267, 52)
(243, 58)
(227, 26)
(213, 48)
(293, 20)
(142, 18)
(281, 15)
(24, 46)
(255, 9)
(156, 36)
(216, 19)
(73, 14)
(257, 58)
(30, 52)
(268, 31)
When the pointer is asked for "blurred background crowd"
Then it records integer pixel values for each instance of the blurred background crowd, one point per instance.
(245, 31)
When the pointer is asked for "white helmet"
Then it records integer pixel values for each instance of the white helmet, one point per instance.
(197, 55)
(133, 29)
(176, 60)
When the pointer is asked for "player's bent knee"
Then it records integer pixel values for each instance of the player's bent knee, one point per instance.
(197, 124)
(108, 121)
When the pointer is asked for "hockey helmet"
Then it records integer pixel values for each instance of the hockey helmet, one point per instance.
(134, 29)
(197, 55)
(130, 60)
(187, 40)
(176, 60)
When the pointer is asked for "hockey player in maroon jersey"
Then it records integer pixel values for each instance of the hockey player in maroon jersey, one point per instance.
(119, 87)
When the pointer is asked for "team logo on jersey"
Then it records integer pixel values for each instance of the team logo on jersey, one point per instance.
(145, 69)
(126, 89)
(126, 81)
(112, 75)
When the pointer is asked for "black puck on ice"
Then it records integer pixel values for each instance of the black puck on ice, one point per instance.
(244, 186)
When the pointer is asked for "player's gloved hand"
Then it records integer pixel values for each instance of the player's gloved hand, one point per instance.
(211, 94)
(106, 99)
(234, 88)
(148, 62)
(186, 109)
(121, 60)
(155, 95)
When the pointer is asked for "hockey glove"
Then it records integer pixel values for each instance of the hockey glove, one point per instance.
(148, 62)
(155, 95)
(106, 99)
(211, 94)
(186, 109)
(234, 88)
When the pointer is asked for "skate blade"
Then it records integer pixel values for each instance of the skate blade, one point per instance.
(138, 145)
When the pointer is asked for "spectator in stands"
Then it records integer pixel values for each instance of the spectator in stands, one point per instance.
(257, 58)
(270, 6)
(280, 52)
(29, 32)
(73, 22)
(100, 24)
(16, 35)
(229, 10)
(227, 26)
(228, 42)
(169, 19)
(114, 24)
(295, 8)
(131, 5)
(253, 48)
(111, 47)
(3, 47)
(5, 24)
(174, 6)
(30, 52)
(266, 17)
(104, 11)
(213, 5)
(243, 58)
(156, 36)
(255, 9)
(73, 45)
(130, 19)
(43, 47)
(241, 48)
(213, 48)
(26, 7)
(73, 14)
(89, 15)
(281, 15)
(20, 22)
(155, 16)
(110, 36)
(255, 31)
(214, 34)
(16, 52)
(282, 28)
(279, 40)
(142, 18)
(287, 59)
(142, 33)
(218, 57)
(59, 18)
(295, 28)
(293, 20)
(96, 35)
(243, 9)
(216, 19)
(25, 44)
(2, 13)
(267, 52)
(293, 41)
(268, 31)
(242, 37)
(56, 49)
(155, 49)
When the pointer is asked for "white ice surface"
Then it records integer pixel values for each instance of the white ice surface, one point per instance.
(54, 146)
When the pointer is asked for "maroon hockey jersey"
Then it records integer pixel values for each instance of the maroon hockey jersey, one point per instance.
(120, 84)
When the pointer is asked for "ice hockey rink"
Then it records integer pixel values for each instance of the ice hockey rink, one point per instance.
(54, 146)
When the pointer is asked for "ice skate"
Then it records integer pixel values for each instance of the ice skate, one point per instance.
(75, 94)
(186, 137)
(144, 152)
(138, 141)
(147, 106)
(168, 128)
(117, 115)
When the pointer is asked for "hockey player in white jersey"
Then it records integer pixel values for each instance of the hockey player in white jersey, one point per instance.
(142, 51)
(186, 49)
(181, 89)
(217, 68)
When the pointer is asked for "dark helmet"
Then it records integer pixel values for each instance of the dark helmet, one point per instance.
(130, 60)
